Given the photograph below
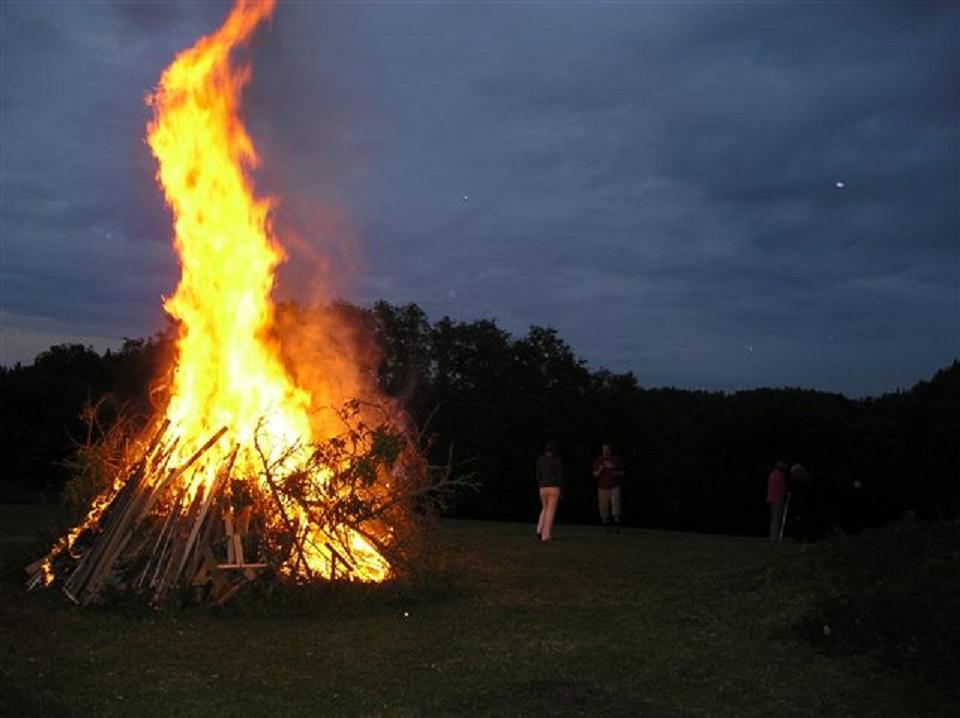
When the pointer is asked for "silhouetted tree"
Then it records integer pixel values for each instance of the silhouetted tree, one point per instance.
(694, 460)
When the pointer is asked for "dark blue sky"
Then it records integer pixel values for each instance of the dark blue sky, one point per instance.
(712, 194)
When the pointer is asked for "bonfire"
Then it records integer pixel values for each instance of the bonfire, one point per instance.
(249, 468)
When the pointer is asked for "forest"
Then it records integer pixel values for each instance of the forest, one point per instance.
(694, 460)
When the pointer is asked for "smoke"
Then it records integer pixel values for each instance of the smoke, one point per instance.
(324, 257)
(329, 351)
(305, 98)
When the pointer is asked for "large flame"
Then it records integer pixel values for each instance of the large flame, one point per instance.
(229, 372)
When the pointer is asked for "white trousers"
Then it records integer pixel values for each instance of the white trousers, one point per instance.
(609, 500)
(549, 498)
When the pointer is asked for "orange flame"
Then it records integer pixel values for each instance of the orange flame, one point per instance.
(228, 372)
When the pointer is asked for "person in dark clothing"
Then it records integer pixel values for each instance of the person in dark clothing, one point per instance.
(608, 471)
(803, 510)
(550, 482)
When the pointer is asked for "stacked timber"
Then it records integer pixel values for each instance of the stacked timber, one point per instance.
(156, 538)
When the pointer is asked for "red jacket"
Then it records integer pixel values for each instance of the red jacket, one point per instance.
(776, 487)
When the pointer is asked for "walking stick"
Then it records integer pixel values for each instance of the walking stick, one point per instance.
(786, 510)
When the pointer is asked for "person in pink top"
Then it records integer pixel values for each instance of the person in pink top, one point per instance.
(777, 497)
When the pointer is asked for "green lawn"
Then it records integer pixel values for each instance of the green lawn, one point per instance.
(642, 623)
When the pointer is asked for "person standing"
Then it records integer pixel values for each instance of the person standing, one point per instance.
(777, 497)
(803, 523)
(608, 471)
(550, 481)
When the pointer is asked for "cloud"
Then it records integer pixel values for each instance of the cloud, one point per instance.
(658, 181)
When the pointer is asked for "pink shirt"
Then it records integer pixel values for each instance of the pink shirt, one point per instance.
(776, 487)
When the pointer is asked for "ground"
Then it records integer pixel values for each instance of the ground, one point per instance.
(641, 623)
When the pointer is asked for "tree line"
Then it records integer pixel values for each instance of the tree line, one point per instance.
(694, 460)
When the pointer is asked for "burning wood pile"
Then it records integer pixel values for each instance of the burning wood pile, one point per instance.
(155, 536)
(261, 461)
(132, 547)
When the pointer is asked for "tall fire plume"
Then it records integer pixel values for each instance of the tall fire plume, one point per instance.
(235, 411)
(228, 372)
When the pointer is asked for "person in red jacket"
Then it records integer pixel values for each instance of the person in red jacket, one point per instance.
(777, 497)
(608, 471)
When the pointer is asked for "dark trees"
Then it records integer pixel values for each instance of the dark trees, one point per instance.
(41, 407)
(694, 460)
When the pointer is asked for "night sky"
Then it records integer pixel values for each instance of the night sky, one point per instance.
(712, 195)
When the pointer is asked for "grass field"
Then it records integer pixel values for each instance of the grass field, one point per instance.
(641, 623)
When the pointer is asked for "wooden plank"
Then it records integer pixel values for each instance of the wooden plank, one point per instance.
(202, 577)
(178, 545)
(243, 522)
(34, 581)
(216, 577)
(181, 470)
(163, 536)
(96, 581)
(207, 566)
(239, 566)
(117, 503)
(237, 548)
(107, 523)
(205, 537)
(222, 597)
(113, 522)
(104, 553)
(35, 566)
(160, 550)
(219, 480)
(228, 530)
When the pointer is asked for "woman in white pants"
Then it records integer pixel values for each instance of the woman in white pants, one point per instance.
(550, 481)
